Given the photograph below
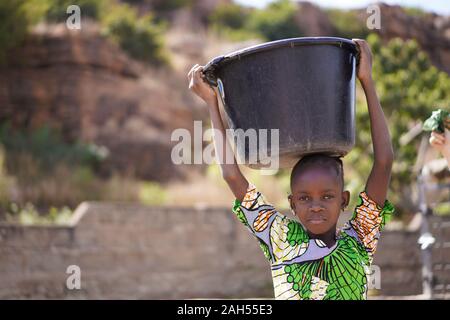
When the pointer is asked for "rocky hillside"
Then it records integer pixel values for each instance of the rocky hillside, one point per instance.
(92, 91)
(430, 30)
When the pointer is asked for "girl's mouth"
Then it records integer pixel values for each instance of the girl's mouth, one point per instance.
(317, 220)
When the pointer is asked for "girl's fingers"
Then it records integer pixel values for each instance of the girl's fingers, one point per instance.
(192, 70)
(362, 46)
(436, 142)
(198, 73)
(192, 75)
(196, 76)
(438, 136)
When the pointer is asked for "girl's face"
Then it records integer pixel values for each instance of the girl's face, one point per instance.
(317, 199)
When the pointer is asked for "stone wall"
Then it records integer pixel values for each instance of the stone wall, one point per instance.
(128, 251)
(131, 251)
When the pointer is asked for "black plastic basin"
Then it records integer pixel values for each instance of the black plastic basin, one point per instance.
(305, 87)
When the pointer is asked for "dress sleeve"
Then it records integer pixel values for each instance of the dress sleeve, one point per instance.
(368, 220)
(276, 233)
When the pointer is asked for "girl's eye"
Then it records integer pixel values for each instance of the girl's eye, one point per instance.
(303, 198)
(327, 197)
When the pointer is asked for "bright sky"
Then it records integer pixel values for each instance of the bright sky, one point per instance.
(438, 6)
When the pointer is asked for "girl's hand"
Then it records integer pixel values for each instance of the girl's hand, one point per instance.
(199, 86)
(364, 71)
(440, 141)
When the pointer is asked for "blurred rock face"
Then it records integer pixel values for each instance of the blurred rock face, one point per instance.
(87, 87)
(431, 31)
(312, 20)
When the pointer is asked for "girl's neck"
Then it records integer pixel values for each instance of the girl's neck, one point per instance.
(329, 237)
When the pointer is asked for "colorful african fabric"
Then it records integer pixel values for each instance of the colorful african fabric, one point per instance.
(304, 268)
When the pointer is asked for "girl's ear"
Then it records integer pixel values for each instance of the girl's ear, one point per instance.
(345, 199)
(291, 203)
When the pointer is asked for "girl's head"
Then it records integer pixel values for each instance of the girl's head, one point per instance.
(317, 192)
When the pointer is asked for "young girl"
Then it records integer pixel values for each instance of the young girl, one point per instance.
(311, 259)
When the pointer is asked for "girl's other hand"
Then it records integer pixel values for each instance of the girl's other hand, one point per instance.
(440, 141)
(199, 86)
(364, 71)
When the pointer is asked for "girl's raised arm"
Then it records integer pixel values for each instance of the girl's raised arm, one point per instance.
(378, 180)
(224, 153)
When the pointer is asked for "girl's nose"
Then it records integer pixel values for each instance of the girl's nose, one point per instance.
(315, 207)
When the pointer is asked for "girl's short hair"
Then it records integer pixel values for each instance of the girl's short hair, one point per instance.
(318, 160)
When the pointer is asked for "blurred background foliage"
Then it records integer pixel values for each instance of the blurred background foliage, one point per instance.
(347, 24)
(54, 176)
(409, 89)
(271, 23)
(141, 36)
(16, 18)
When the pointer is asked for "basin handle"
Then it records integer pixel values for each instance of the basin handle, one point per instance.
(210, 70)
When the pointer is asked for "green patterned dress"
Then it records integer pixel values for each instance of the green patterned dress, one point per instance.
(304, 268)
